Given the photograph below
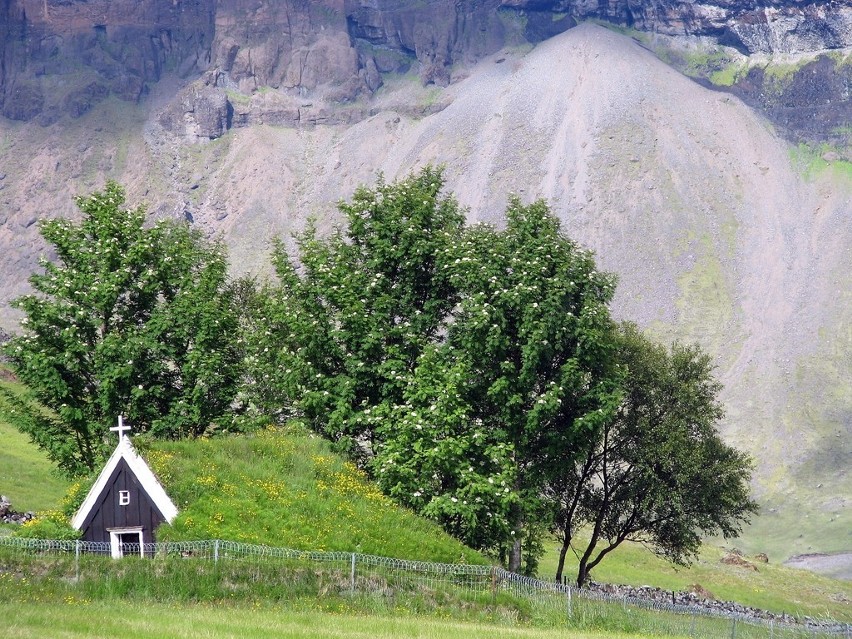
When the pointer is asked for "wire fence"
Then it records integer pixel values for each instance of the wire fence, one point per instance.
(355, 573)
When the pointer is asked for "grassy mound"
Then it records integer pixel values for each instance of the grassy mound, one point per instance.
(286, 488)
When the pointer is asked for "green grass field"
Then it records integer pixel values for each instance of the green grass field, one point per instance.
(27, 478)
(284, 487)
(132, 621)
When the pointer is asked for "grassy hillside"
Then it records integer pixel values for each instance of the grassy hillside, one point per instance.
(286, 488)
(769, 586)
(27, 478)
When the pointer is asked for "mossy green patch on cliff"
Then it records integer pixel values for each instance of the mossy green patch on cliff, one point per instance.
(730, 74)
(778, 75)
(715, 64)
(840, 58)
(705, 305)
(237, 97)
(783, 71)
(812, 161)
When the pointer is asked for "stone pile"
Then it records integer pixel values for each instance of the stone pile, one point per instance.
(702, 600)
(9, 516)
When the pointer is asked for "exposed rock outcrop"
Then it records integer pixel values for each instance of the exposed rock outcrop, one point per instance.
(63, 56)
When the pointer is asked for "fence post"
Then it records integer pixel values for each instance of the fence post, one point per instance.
(77, 561)
(494, 587)
(692, 625)
(734, 628)
(570, 610)
(215, 552)
(771, 629)
(352, 575)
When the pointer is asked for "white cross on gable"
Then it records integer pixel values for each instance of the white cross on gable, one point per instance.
(120, 429)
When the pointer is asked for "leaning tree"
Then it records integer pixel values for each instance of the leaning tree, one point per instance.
(657, 472)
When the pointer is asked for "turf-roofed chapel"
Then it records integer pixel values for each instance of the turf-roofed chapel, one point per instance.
(126, 503)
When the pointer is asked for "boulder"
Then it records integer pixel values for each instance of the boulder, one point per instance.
(200, 112)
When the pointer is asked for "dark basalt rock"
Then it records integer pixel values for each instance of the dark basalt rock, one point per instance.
(335, 51)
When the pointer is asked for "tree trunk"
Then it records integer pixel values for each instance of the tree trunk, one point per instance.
(582, 573)
(515, 555)
(561, 565)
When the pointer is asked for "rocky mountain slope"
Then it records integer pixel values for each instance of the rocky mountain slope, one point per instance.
(251, 118)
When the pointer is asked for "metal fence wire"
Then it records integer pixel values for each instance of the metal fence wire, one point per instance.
(360, 573)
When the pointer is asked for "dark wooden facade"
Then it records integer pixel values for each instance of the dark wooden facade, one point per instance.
(107, 512)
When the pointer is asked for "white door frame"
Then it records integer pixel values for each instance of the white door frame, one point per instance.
(115, 540)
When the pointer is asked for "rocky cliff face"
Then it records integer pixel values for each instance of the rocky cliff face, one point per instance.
(62, 56)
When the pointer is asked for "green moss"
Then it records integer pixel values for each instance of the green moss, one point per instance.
(730, 74)
(714, 64)
(840, 58)
(784, 71)
(430, 97)
(809, 161)
(705, 304)
(236, 97)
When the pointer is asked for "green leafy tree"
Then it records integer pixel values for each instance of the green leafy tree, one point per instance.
(436, 457)
(522, 379)
(346, 326)
(657, 472)
(127, 319)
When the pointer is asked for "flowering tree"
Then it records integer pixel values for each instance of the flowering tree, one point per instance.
(524, 375)
(128, 320)
(343, 330)
(470, 370)
(437, 457)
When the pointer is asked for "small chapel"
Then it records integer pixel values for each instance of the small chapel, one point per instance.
(126, 503)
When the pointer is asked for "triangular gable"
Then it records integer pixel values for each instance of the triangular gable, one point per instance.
(144, 475)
